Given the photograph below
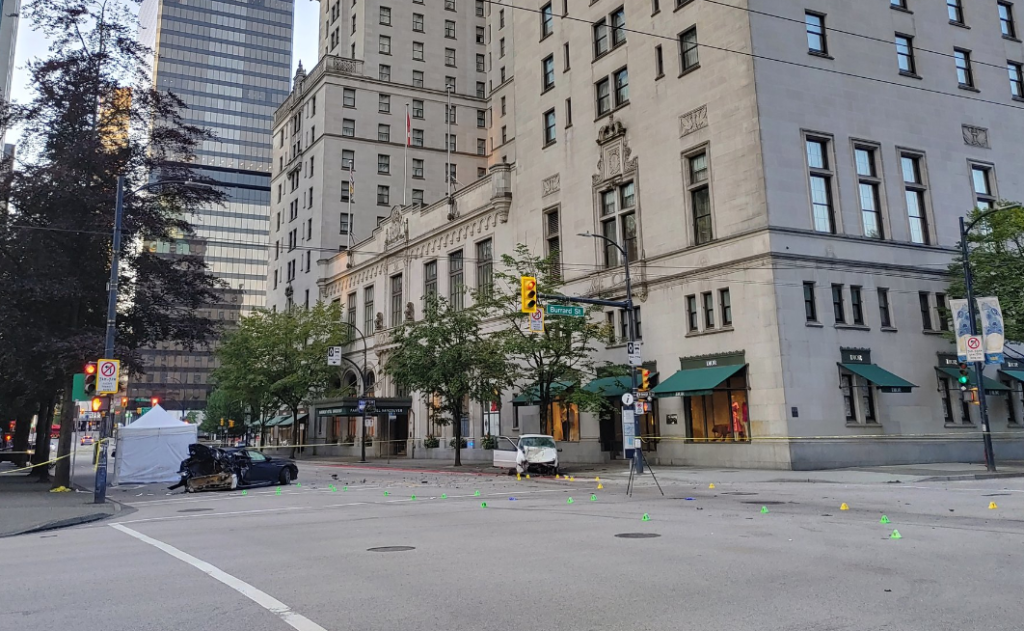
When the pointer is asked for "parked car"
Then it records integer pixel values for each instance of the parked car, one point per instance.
(85, 440)
(217, 469)
(530, 453)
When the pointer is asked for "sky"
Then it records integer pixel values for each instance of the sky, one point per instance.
(32, 44)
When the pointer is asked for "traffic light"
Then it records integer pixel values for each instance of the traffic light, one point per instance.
(645, 379)
(124, 402)
(964, 377)
(222, 422)
(231, 423)
(100, 404)
(90, 379)
(154, 402)
(974, 396)
(528, 294)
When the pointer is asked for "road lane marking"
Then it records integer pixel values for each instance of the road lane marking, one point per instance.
(261, 598)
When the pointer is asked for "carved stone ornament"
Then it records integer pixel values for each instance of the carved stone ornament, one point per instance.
(378, 322)
(410, 312)
(551, 185)
(396, 228)
(693, 120)
(616, 156)
(976, 136)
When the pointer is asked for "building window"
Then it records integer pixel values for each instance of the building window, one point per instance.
(396, 300)
(430, 278)
(700, 198)
(868, 183)
(600, 37)
(481, 62)
(456, 281)
(417, 78)
(849, 406)
(384, 72)
(417, 197)
(691, 314)
(688, 57)
(981, 178)
(417, 168)
(449, 5)
(449, 84)
(348, 160)
(810, 304)
(385, 16)
(417, 138)
(417, 22)
(838, 308)
(417, 51)
(547, 21)
(618, 223)
(383, 195)
(947, 400)
(1006, 22)
(344, 222)
(348, 97)
(964, 75)
(553, 243)
(816, 37)
(905, 54)
(348, 127)
(484, 267)
(857, 305)
(943, 313)
(550, 133)
(384, 45)
(449, 57)
(604, 96)
(708, 301)
(501, 47)
(1016, 79)
(384, 133)
(659, 62)
(821, 185)
(568, 113)
(898, 4)
(926, 311)
(884, 315)
(481, 119)
(384, 103)
(367, 310)
(449, 29)
(383, 164)
(720, 416)
(618, 18)
(480, 89)
(955, 9)
(548, 72)
(621, 87)
(914, 186)
(725, 305)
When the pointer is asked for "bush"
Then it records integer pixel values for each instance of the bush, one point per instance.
(351, 440)
(462, 445)
(431, 442)
(489, 442)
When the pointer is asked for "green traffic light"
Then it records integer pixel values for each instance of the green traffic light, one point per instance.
(962, 379)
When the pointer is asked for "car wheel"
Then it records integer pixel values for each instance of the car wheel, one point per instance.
(286, 476)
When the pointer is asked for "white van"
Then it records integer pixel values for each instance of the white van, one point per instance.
(530, 453)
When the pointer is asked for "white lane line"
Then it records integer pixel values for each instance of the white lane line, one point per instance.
(261, 598)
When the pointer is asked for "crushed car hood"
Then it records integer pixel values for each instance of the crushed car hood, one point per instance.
(540, 455)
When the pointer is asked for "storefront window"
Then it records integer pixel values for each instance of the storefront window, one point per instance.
(491, 419)
(722, 415)
(563, 422)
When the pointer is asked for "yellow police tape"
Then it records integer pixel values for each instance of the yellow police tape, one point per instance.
(47, 463)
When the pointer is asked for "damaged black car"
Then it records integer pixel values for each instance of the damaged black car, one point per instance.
(220, 469)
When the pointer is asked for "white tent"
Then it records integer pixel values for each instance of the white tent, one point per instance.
(151, 449)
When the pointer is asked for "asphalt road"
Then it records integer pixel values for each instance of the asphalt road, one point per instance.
(303, 560)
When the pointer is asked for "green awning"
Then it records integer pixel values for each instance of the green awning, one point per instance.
(990, 384)
(609, 386)
(273, 421)
(686, 383)
(284, 421)
(880, 377)
(532, 394)
(1014, 374)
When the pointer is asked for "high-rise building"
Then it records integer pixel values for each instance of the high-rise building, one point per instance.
(230, 62)
(10, 17)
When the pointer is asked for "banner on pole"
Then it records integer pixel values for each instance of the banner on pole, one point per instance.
(962, 326)
(992, 329)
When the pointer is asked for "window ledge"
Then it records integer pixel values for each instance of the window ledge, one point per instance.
(724, 329)
(544, 37)
(960, 24)
(968, 88)
(960, 426)
(820, 53)
(901, 9)
(817, 325)
(889, 329)
(854, 327)
(549, 143)
(931, 332)
(547, 89)
(687, 71)
(660, 76)
(909, 75)
(1011, 38)
(611, 111)
(864, 425)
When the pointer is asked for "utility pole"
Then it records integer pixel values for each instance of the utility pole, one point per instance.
(979, 367)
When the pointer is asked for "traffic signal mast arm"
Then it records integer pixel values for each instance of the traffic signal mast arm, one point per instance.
(621, 304)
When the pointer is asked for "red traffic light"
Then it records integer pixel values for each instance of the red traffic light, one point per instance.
(97, 404)
(90, 368)
(154, 402)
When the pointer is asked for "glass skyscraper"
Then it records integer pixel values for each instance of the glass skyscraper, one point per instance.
(230, 62)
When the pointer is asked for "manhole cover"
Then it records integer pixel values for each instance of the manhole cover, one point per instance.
(737, 493)
(637, 535)
(391, 549)
(764, 502)
(194, 510)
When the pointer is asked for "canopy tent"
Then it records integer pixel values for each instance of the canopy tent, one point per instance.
(151, 449)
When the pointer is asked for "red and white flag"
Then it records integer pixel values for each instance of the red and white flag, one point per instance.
(408, 128)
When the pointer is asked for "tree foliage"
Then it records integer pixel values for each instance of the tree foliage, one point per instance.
(94, 116)
(996, 246)
(221, 405)
(562, 354)
(446, 355)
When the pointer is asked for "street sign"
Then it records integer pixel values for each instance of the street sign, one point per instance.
(640, 408)
(627, 398)
(108, 375)
(633, 351)
(565, 310)
(975, 352)
(537, 321)
(334, 356)
(362, 405)
(628, 432)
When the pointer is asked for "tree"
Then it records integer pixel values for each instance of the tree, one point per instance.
(95, 116)
(996, 246)
(557, 362)
(222, 406)
(446, 355)
(283, 354)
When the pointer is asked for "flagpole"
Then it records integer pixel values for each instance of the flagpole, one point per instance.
(448, 141)
(351, 219)
(405, 180)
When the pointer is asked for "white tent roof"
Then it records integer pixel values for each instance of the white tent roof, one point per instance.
(156, 418)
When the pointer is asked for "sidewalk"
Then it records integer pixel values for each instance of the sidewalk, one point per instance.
(28, 506)
(948, 471)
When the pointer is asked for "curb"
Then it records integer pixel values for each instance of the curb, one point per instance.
(971, 476)
(62, 523)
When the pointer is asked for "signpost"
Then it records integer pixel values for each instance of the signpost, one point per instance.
(628, 432)
(537, 321)
(975, 351)
(108, 376)
(633, 351)
(334, 356)
(565, 310)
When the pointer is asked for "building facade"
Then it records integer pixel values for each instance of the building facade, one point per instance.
(786, 183)
(230, 62)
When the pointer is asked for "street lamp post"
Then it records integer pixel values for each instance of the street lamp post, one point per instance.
(362, 378)
(979, 367)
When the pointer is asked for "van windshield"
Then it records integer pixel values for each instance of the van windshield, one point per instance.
(537, 441)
